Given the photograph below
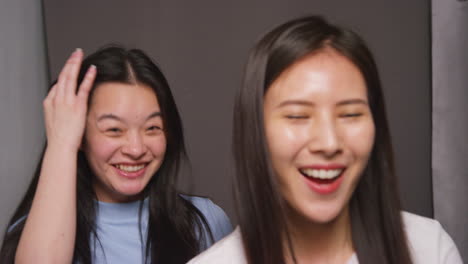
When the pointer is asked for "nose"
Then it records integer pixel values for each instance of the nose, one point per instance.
(325, 138)
(134, 146)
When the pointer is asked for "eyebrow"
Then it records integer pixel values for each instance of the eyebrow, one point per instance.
(114, 117)
(353, 101)
(308, 103)
(296, 102)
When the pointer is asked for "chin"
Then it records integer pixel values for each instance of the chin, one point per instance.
(324, 213)
(323, 217)
(131, 190)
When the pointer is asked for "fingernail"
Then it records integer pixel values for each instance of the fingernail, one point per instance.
(92, 68)
(77, 50)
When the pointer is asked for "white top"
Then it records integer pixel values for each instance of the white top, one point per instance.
(428, 242)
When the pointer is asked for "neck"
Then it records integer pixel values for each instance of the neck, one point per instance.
(321, 242)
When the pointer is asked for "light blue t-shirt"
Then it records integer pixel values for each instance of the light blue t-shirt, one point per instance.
(119, 233)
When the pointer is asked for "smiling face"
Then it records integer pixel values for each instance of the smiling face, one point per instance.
(320, 134)
(124, 140)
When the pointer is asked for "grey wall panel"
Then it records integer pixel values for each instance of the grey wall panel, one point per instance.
(202, 47)
(23, 84)
(449, 117)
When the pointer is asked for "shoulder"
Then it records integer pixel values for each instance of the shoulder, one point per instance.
(428, 241)
(203, 204)
(216, 218)
(227, 251)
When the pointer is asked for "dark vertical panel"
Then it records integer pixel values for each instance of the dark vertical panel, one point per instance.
(450, 124)
(202, 47)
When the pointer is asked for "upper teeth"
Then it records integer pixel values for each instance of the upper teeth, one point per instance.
(322, 174)
(130, 168)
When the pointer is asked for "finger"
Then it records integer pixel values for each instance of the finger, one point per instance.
(87, 83)
(50, 96)
(72, 76)
(62, 79)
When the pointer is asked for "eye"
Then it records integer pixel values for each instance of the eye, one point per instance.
(296, 117)
(154, 128)
(351, 115)
(114, 130)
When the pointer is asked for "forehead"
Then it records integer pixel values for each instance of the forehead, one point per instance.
(326, 75)
(121, 97)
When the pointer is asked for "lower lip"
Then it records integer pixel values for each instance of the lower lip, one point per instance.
(324, 187)
(131, 175)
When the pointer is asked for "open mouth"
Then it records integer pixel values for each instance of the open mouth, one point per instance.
(323, 181)
(321, 174)
(130, 168)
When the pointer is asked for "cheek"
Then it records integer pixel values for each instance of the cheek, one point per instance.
(285, 141)
(360, 139)
(100, 149)
(157, 146)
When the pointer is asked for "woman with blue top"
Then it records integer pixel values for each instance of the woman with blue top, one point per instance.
(315, 181)
(104, 190)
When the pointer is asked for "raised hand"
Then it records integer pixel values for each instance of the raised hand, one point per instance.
(50, 229)
(65, 108)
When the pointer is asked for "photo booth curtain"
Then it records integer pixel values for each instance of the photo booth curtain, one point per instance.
(450, 118)
(23, 84)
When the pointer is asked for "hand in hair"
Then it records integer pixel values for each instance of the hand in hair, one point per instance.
(50, 228)
(65, 108)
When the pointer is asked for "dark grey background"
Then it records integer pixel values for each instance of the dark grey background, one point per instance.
(202, 47)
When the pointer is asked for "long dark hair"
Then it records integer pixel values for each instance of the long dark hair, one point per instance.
(175, 226)
(376, 224)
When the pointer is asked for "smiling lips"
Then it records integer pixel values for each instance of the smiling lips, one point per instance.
(130, 170)
(323, 179)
